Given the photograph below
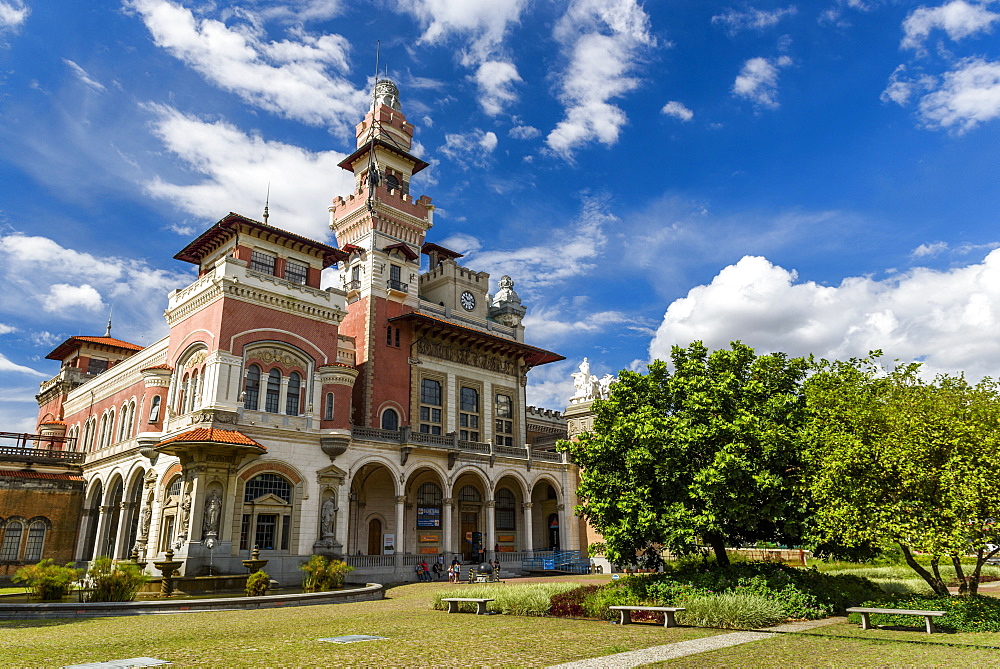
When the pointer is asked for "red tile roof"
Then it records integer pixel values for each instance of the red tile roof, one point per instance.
(39, 475)
(209, 434)
(73, 343)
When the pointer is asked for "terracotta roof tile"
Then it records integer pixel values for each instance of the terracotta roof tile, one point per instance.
(39, 475)
(214, 435)
(73, 343)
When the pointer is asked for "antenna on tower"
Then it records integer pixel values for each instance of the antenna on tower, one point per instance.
(267, 200)
(372, 166)
(107, 333)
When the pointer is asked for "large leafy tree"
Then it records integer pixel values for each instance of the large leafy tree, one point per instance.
(705, 453)
(893, 457)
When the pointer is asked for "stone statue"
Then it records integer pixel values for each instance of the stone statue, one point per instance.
(589, 387)
(328, 517)
(213, 508)
(144, 518)
(506, 294)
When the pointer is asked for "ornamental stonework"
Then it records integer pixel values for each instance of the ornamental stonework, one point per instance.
(276, 355)
(466, 356)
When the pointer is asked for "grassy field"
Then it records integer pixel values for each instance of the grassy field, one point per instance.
(416, 635)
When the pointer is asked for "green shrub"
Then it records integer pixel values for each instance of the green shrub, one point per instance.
(257, 584)
(517, 600)
(732, 610)
(47, 581)
(797, 603)
(323, 573)
(907, 586)
(672, 593)
(964, 614)
(570, 604)
(114, 581)
(596, 604)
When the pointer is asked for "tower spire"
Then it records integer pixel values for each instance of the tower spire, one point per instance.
(107, 332)
(267, 200)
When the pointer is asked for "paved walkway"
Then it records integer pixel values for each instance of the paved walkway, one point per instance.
(636, 658)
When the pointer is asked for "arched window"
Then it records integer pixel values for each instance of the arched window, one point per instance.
(390, 420)
(154, 409)
(273, 391)
(174, 490)
(469, 494)
(328, 410)
(391, 182)
(184, 393)
(270, 521)
(429, 494)
(251, 390)
(11, 546)
(505, 506)
(292, 401)
(35, 543)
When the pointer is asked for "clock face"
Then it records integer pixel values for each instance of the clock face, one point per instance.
(468, 301)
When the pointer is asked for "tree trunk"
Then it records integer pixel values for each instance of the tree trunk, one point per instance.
(981, 558)
(718, 545)
(963, 585)
(937, 585)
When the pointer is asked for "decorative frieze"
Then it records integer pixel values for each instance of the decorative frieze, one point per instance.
(466, 356)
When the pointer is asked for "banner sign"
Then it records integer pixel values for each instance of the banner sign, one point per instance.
(389, 544)
(428, 516)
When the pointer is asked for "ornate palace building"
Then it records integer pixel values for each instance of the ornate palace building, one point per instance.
(382, 419)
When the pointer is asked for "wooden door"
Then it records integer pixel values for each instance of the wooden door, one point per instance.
(375, 537)
(470, 524)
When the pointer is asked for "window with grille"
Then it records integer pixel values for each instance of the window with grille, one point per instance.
(294, 389)
(469, 494)
(430, 406)
(168, 533)
(273, 391)
(11, 546)
(265, 484)
(429, 494)
(503, 428)
(245, 532)
(468, 415)
(252, 388)
(175, 487)
(262, 262)
(97, 366)
(296, 272)
(505, 507)
(328, 410)
(266, 531)
(36, 539)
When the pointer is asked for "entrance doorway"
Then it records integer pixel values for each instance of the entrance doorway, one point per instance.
(470, 526)
(375, 537)
(554, 532)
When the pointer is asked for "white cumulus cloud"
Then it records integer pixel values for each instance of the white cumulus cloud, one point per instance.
(471, 149)
(967, 95)
(482, 25)
(947, 319)
(300, 78)
(64, 297)
(677, 110)
(6, 365)
(958, 18)
(237, 169)
(13, 14)
(758, 80)
(524, 132)
(603, 41)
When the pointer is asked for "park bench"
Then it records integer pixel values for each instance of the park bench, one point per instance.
(480, 603)
(866, 612)
(667, 611)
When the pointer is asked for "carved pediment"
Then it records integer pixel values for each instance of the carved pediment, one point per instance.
(270, 499)
(331, 474)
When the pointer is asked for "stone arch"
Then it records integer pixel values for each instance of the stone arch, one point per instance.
(91, 518)
(524, 488)
(374, 488)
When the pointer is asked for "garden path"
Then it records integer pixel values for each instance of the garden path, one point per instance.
(637, 658)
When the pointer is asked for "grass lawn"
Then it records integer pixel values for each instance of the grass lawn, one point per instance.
(793, 650)
(417, 635)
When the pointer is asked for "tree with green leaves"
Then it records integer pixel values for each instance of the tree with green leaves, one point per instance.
(703, 453)
(892, 457)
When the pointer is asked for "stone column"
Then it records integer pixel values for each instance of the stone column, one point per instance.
(344, 516)
(102, 528)
(563, 527)
(400, 537)
(82, 532)
(491, 528)
(446, 542)
(124, 521)
(528, 539)
(283, 396)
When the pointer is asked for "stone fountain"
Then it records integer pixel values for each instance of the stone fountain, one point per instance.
(254, 564)
(168, 568)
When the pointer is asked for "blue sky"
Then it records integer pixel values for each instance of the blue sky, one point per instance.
(813, 177)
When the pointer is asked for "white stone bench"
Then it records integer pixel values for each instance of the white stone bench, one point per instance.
(453, 603)
(667, 611)
(866, 623)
